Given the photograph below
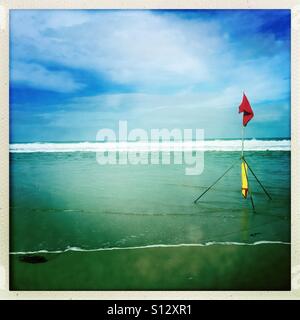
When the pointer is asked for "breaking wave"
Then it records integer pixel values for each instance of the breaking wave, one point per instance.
(154, 246)
(206, 145)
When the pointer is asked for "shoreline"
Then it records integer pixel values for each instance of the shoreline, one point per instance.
(263, 267)
(210, 243)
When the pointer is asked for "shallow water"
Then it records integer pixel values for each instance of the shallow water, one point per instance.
(67, 199)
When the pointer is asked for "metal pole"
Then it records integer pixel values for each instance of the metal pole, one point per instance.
(251, 198)
(216, 181)
(243, 132)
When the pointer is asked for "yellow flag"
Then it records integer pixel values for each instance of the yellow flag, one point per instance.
(244, 179)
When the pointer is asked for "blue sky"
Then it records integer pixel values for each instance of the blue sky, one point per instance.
(75, 72)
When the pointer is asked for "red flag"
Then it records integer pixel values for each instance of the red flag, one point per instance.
(246, 108)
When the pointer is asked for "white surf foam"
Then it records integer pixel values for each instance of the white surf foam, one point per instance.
(154, 246)
(207, 145)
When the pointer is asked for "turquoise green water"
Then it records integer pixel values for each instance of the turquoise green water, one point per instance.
(68, 199)
(61, 200)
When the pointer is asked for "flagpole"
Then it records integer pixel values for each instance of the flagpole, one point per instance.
(248, 114)
(243, 133)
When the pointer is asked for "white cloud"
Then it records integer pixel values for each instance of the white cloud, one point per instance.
(136, 48)
(37, 76)
(186, 73)
(157, 110)
(151, 52)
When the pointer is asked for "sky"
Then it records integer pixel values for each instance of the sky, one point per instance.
(75, 72)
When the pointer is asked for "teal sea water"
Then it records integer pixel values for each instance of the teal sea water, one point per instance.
(66, 201)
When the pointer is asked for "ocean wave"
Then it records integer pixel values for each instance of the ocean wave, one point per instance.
(206, 145)
(153, 246)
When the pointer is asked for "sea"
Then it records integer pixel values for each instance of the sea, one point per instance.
(136, 226)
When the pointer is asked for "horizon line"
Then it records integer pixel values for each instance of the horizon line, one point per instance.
(99, 141)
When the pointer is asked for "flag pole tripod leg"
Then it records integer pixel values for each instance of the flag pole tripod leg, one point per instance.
(253, 208)
(266, 192)
(251, 198)
(202, 194)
